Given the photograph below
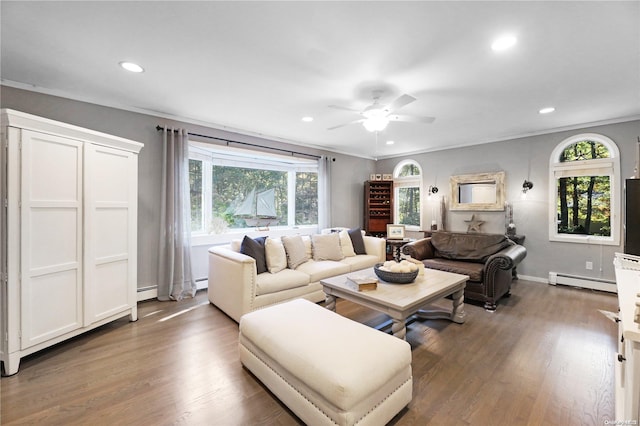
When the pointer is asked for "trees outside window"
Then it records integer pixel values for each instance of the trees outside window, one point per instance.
(229, 190)
(584, 175)
(407, 184)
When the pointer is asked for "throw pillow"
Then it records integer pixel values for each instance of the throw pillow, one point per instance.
(357, 240)
(275, 254)
(235, 245)
(296, 252)
(307, 245)
(326, 247)
(255, 249)
(346, 244)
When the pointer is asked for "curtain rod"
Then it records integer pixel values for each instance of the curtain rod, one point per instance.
(228, 141)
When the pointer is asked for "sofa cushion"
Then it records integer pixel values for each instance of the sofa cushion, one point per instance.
(346, 244)
(357, 240)
(319, 270)
(296, 251)
(283, 280)
(361, 261)
(473, 269)
(275, 255)
(326, 247)
(255, 248)
(470, 247)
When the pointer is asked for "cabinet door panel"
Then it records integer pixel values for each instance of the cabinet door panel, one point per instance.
(53, 237)
(51, 227)
(112, 288)
(52, 309)
(110, 211)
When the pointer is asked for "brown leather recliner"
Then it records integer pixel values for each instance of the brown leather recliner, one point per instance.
(488, 260)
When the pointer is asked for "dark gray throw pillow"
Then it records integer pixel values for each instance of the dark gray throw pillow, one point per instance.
(255, 248)
(357, 241)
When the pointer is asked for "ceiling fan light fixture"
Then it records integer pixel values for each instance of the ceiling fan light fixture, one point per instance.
(375, 124)
(376, 119)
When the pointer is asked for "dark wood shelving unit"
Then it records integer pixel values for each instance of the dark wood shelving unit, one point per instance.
(378, 207)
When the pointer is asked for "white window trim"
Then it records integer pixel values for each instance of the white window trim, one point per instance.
(404, 182)
(608, 167)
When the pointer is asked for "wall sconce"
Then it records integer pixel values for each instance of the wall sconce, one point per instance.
(526, 186)
(432, 191)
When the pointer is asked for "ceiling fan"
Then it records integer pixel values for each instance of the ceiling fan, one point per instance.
(376, 116)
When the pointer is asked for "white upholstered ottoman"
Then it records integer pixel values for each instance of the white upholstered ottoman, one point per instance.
(326, 368)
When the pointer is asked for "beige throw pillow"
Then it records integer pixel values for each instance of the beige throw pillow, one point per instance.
(275, 254)
(346, 244)
(307, 245)
(296, 252)
(326, 247)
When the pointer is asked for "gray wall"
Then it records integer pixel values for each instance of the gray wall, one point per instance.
(520, 159)
(348, 173)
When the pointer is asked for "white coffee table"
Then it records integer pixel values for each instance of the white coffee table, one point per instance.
(400, 301)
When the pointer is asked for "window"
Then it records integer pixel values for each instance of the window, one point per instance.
(407, 183)
(584, 186)
(232, 190)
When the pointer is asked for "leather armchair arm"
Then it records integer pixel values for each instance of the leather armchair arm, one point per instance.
(506, 258)
(419, 249)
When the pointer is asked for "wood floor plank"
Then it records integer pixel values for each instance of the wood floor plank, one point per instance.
(546, 356)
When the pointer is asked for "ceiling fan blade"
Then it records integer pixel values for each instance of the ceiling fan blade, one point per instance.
(344, 108)
(410, 118)
(346, 124)
(400, 102)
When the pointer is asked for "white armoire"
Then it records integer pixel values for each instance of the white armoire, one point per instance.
(69, 227)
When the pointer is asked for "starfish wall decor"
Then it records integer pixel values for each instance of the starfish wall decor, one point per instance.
(473, 224)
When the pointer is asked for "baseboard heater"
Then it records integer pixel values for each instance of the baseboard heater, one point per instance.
(584, 282)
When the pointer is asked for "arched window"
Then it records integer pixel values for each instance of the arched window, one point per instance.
(407, 184)
(584, 186)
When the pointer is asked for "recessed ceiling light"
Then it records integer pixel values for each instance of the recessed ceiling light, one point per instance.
(307, 119)
(503, 43)
(130, 66)
(390, 142)
(546, 110)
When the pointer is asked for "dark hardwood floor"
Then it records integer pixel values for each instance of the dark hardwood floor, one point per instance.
(545, 357)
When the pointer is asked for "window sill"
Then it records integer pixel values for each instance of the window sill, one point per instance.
(585, 239)
(219, 239)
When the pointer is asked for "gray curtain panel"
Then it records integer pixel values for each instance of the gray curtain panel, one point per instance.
(175, 280)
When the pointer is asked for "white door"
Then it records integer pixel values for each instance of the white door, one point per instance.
(110, 228)
(51, 228)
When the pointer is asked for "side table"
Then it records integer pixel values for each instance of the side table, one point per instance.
(393, 248)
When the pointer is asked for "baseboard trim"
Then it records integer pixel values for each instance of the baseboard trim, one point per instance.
(534, 279)
(151, 292)
(146, 293)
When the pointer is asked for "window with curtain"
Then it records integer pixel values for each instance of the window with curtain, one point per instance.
(234, 190)
(407, 184)
(584, 187)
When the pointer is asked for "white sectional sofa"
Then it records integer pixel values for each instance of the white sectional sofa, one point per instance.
(236, 287)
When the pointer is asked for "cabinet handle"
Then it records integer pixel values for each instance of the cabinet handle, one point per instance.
(617, 319)
(621, 358)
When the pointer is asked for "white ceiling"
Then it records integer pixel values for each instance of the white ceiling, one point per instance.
(259, 67)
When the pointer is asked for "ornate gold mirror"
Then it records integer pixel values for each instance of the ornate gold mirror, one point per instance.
(481, 191)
